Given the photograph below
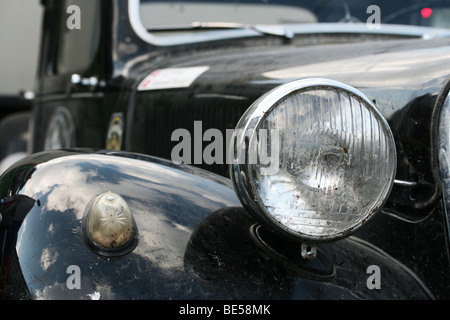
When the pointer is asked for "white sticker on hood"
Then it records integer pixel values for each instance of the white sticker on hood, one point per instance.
(171, 78)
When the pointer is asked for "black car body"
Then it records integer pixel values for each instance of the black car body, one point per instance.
(110, 97)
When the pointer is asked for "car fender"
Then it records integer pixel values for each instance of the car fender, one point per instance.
(195, 240)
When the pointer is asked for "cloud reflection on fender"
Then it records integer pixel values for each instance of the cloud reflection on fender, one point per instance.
(166, 203)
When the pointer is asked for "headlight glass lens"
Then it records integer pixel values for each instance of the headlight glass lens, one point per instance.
(325, 159)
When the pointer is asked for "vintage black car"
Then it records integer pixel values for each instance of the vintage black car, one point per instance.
(233, 150)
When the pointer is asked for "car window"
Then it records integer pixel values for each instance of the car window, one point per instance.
(78, 45)
(155, 14)
(18, 71)
(158, 14)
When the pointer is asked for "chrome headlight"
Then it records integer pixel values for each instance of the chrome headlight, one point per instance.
(444, 149)
(313, 159)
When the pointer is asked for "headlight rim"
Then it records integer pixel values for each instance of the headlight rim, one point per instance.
(260, 109)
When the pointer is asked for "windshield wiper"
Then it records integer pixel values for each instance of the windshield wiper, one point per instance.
(271, 30)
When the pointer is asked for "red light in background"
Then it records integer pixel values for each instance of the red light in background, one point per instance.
(426, 13)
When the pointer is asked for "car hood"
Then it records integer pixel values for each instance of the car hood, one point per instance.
(391, 72)
(402, 77)
(401, 70)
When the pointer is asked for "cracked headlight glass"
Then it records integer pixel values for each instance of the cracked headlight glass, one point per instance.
(313, 159)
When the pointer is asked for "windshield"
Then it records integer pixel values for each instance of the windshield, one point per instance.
(156, 15)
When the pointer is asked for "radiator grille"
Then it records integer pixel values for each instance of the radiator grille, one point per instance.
(157, 117)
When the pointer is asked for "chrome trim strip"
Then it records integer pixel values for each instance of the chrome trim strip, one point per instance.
(403, 183)
(298, 29)
(361, 28)
(140, 30)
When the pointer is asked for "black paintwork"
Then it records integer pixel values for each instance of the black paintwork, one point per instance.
(402, 75)
(195, 239)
